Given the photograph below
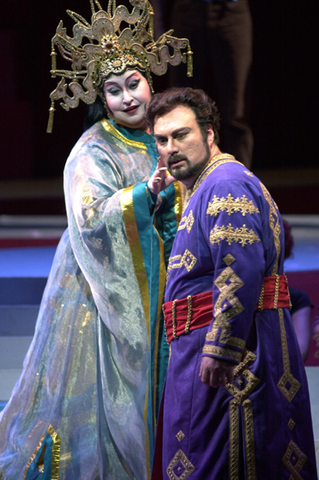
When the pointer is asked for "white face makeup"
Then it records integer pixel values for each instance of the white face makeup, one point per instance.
(127, 97)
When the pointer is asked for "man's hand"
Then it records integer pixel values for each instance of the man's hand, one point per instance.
(160, 178)
(216, 373)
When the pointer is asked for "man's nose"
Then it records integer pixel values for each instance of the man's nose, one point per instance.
(171, 146)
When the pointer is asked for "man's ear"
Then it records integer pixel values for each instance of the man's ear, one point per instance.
(210, 135)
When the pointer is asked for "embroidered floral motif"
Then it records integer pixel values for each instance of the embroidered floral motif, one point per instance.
(187, 222)
(294, 459)
(238, 235)
(179, 467)
(187, 260)
(231, 205)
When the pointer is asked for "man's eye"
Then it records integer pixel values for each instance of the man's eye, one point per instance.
(181, 135)
(162, 141)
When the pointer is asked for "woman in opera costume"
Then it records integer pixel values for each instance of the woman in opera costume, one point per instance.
(85, 405)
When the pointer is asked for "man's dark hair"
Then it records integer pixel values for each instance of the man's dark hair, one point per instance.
(197, 100)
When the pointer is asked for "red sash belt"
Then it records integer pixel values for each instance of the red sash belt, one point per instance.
(182, 316)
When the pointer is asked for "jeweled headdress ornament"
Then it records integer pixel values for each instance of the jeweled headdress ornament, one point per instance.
(102, 48)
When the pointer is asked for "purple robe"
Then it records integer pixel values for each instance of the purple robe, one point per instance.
(259, 427)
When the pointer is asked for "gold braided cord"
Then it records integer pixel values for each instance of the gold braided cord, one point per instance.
(174, 318)
(189, 313)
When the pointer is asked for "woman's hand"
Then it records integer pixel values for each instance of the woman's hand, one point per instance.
(160, 179)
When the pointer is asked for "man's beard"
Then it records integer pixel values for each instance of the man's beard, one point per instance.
(191, 171)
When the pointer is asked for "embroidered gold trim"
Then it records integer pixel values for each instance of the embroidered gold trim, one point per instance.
(159, 320)
(55, 454)
(249, 173)
(296, 455)
(140, 272)
(178, 206)
(215, 162)
(249, 440)
(226, 307)
(111, 129)
(231, 205)
(239, 235)
(180, 436)
(188, 260)
(229, 259)
(288, 384)
(231, 341)
(291, 424)
(185, 467)
(187, 222)
(250, 381)
(222, 352)
(274, 225)
(233, 439)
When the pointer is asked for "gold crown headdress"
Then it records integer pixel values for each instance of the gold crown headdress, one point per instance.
(110, 50)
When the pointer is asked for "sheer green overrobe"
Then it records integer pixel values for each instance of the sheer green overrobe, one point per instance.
(92, 379)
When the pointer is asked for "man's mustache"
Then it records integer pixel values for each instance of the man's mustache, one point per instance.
(175, 158)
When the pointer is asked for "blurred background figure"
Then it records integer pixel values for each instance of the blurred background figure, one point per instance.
(301, 303)
(315, 329)
(220, 32)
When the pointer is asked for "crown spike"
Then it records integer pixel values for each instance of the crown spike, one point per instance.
(189, 61)
(151, 22)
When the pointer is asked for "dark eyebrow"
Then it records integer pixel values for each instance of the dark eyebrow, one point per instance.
(113, 82)
(174, 132)
(179, 130)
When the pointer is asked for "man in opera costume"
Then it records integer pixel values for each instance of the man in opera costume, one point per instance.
(236, 402)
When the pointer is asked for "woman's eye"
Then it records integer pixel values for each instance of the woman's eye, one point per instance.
(134, 84)
(113, 91)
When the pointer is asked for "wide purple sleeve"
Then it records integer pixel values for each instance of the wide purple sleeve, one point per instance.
(232, 223)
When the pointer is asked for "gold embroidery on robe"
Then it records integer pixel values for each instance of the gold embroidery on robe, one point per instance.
(239, 235)
(226, 307)
(181, 465)
(188, 260)
(294, 459)
(274, 225)
(187, 222)
(55, 454)
(240, 397)
(222, 352)
(231, 205)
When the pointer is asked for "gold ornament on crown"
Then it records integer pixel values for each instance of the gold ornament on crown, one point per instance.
(102, 48)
